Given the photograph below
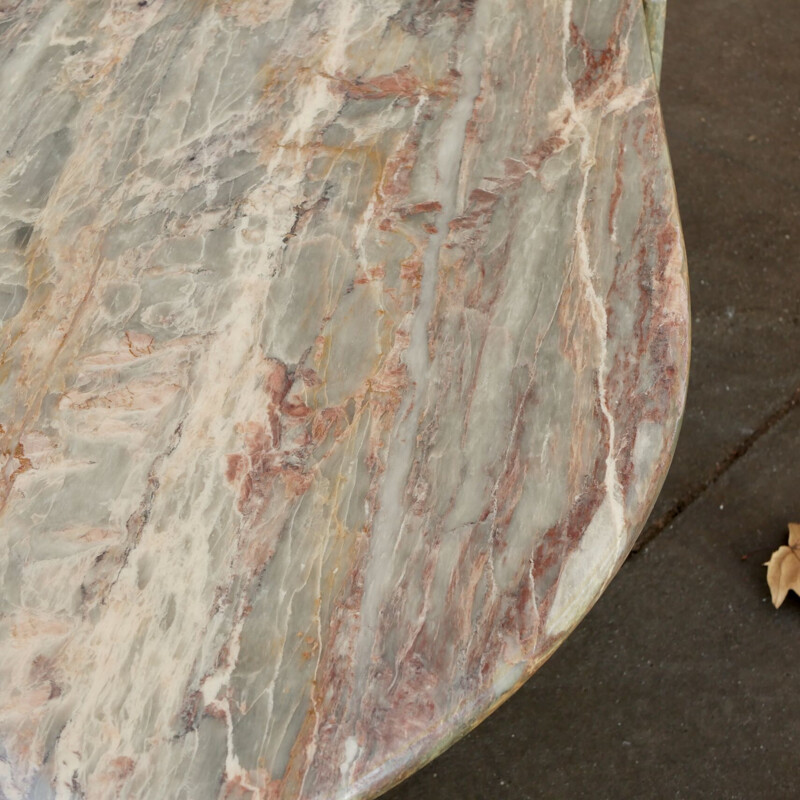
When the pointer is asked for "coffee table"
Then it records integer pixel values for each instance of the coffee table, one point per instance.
(344, 349)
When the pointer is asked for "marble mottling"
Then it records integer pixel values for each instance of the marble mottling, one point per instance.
(655, 14)
(344, 347)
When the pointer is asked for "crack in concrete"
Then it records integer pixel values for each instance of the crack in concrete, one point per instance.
(656, 526)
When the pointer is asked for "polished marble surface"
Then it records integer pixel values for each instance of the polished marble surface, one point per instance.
(344, 348)
(655, 15)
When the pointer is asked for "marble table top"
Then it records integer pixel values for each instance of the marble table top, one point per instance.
(655, 15)
(344, 348)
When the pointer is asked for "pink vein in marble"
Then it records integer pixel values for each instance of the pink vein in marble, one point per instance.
(344, 346)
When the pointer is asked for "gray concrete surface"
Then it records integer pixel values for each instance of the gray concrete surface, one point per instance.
(683, 681)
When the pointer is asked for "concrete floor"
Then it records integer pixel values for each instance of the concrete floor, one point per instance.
(683, 680)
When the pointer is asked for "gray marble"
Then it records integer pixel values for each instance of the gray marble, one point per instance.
(344, 348)
(655, 13)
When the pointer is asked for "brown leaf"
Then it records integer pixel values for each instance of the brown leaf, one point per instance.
(783, 569)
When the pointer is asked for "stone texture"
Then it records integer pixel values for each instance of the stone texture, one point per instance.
(675, 685)
(344, 352)
(655, 14)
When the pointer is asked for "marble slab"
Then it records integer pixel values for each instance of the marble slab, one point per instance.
(655, 14)
(344, 348)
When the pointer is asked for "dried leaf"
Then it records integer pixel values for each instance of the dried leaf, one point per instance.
(783, 569)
